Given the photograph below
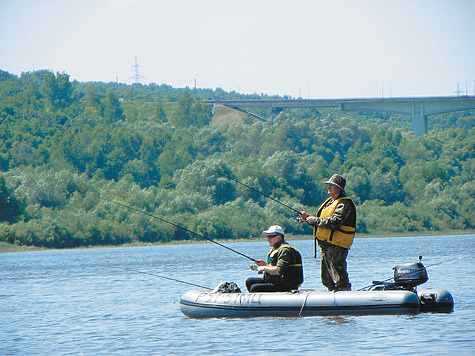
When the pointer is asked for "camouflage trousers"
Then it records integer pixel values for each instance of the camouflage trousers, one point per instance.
(333, 269)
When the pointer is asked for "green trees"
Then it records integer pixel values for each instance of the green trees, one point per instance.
(197, 178)
(93, 104)
(56, 90)
(10, 206)
(112, 110)
(64, 145)
(190, 113)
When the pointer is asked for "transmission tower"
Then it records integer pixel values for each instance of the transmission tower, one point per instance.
(458, 91)
(136, 77)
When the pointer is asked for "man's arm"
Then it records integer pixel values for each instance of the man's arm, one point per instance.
(341, 213)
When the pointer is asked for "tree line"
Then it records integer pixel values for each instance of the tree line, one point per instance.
(64, 145)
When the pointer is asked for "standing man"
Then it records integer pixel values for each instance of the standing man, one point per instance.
(283, 270)
(334, 228)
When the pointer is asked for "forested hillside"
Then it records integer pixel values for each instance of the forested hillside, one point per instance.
(66, 144)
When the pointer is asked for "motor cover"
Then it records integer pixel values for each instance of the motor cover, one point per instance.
(410, 274)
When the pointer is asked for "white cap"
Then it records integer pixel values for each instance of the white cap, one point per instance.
(274, 229)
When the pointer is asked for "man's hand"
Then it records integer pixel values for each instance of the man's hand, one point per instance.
(304, 215)
(272, 270)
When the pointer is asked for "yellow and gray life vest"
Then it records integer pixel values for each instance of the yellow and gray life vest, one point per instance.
(344, 235)
(293, 276)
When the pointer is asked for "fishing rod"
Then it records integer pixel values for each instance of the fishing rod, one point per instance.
(253, 189)
(411, 272)
(157, 275)
(180, 227)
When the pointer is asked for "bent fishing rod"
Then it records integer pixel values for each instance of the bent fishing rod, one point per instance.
(178, 226)
(157, 275)
(253, 189)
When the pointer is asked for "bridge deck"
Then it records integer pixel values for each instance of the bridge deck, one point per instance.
(418, 107)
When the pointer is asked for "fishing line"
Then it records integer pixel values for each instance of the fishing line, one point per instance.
(157, 275)
(253, 189)
(180, 227)
(438, 263)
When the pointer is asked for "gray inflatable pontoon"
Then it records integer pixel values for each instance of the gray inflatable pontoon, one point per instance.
(196, 304)
(381, 297)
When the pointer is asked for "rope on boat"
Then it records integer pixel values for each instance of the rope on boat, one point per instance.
(303, 305)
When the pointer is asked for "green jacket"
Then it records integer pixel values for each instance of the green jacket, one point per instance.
(289, 261)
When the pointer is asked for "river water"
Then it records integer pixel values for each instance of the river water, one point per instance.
(80, 302)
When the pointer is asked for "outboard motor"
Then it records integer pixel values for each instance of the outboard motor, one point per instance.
(410, 275)
(406, 276)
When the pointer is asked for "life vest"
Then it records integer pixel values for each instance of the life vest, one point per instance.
(294, 275)
(344, 235)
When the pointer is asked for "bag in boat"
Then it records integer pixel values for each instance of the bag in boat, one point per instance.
(226, 287)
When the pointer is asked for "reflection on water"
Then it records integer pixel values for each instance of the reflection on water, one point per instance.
(332, 320)
(83, 301)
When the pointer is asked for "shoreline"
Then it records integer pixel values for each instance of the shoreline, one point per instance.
(6, 247)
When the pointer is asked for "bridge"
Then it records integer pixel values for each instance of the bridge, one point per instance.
(419, 108)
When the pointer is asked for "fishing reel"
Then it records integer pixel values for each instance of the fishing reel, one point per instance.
(299, 220)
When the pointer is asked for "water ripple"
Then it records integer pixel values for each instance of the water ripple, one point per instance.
(78, 302)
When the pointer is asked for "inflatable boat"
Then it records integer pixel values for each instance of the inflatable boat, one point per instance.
(381, 297)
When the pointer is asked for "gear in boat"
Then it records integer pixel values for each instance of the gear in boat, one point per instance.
(397, 295)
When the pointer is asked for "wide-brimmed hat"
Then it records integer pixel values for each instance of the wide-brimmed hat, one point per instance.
(274, 229)
(337, 180)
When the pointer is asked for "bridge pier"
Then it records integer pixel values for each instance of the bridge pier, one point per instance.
(275, 111)
(419, 120)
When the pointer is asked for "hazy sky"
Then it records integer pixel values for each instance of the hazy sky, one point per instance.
(311, 48)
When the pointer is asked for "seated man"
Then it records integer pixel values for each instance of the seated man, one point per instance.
(283, 271)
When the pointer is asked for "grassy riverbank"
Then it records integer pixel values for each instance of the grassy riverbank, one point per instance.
(6, 247)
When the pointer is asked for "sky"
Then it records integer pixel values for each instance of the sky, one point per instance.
(299, 48)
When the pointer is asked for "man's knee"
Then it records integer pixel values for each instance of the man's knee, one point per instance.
(251, 281)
